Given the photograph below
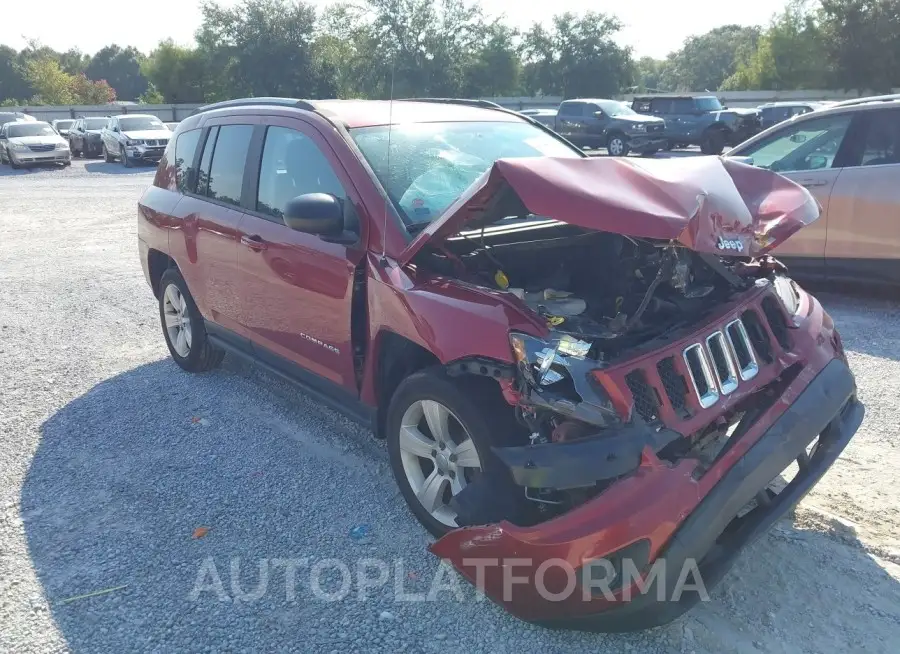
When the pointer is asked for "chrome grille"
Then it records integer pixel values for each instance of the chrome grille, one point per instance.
(716, 365)
(41, 148)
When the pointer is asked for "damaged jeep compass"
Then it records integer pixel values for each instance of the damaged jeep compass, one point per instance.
(572, 359)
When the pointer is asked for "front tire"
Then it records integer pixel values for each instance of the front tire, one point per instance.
(183, 326)
(106, 156)
(437, 439)
(713, 142)
(125, 160)
(12, 162)
(616, 146)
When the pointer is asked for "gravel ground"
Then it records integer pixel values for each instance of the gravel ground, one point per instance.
(113, 462)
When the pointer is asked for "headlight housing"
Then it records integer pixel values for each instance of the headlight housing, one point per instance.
(62, 146)
(131, 142)
(19, 147)
(536, 357)
(788, 293)
(639, 127)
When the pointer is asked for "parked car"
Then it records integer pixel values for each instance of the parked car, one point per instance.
(134, 138)
(13, 116)
(773, 113)
(62, 127)
(605, 123)
(30, 142)
(556, 347)
(699, 120)
(848, 156)
(85, 136)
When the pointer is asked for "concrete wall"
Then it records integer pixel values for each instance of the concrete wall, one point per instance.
(175, 112)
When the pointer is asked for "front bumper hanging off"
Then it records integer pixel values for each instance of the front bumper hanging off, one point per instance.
(660, 513)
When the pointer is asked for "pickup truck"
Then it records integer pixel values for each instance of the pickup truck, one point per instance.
(590, 123)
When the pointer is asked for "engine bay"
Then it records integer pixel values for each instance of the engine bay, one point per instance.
(609, 290)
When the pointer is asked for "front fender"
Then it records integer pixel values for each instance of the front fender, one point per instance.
(449, 318)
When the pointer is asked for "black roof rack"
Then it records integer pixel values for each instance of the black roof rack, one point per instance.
(484, 104)
(249, 102)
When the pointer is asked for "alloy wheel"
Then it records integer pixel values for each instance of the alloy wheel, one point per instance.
(438, 456)
(177, 320)
(616, 147)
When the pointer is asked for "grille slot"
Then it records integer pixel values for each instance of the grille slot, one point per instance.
(742, 350)
(41, 148)
(758, 335)
(701, 375)
(723, 366)
(646, 403)
(674, 384)
(777, 322)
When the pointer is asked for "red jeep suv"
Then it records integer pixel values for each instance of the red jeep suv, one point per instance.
(573, 360)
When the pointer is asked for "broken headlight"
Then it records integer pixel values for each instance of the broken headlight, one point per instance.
(788, 293)
(541, 361)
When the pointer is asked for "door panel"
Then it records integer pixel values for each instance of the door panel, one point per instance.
(809, 242)
(297, 289)
(864, 224)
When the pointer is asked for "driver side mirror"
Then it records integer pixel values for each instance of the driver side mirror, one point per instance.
(817, 162)
(798, 138)
(116, 128)
(599, 114)
(321, 214)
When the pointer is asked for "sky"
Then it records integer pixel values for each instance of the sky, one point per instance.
(652, 27)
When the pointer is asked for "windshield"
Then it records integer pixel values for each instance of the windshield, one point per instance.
(708, 104)
(431, 164)
(138, 124)
(64, 124)
(615, 108)
(94, 123)
(30, 129)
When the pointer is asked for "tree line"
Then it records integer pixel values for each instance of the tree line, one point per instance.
(449, 48)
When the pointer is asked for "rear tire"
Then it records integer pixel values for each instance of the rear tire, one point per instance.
(183, 327)
(470, 417)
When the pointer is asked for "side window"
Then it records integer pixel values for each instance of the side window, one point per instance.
(807, 145)
(185, 148)
(661, 106)
(571, 109)
(205, 160)
(882, 145)
(293, 165)
(641, 106)
(226, 172)
(682, 106)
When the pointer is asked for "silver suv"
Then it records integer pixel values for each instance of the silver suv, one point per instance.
(133, 138)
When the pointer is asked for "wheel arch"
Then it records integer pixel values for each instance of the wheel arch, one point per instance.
(158, 262)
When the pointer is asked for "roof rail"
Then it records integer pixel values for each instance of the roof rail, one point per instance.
(484, 104)
(249, 102)
(867, 100)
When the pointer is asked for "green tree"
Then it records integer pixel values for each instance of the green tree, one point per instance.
(861, 42)
(51, 84)
(707, 60)
(577, 57)
(496, 69)
(121, 67)
(14, 83)
(177, 73)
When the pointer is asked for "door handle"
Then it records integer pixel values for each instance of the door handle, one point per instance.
(810, 183)
(254, 242)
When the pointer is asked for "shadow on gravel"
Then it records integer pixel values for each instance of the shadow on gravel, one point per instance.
(116, 168)
(125, 474)
(7, 171)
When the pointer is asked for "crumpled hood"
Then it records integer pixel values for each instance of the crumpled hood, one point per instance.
(708, 204)
(151, 134)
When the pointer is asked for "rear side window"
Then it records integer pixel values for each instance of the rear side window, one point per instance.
(571, 109)
(882, 139)
(185, 149)
(641, 106)
(226, 172)
(682, 106)
(661, 106)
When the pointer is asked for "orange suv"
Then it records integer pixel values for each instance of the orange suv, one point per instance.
(848, 156)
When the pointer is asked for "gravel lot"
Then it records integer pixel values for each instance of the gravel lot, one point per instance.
(111, 458)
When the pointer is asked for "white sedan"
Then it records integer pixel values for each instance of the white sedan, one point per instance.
(23, 143)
